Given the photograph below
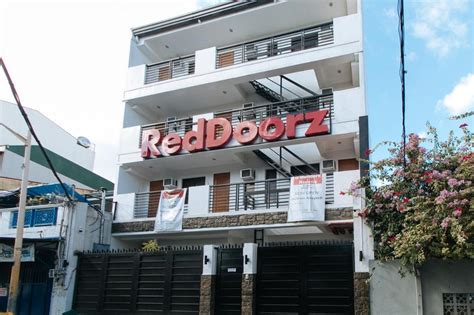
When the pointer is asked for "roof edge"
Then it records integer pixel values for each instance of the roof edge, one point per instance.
(197, 17)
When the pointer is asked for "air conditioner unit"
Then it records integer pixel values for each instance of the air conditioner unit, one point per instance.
(170, 183)
(326, 91)
(329, 166)
(247, 174)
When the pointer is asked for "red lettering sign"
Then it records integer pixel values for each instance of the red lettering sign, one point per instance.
(217, 132)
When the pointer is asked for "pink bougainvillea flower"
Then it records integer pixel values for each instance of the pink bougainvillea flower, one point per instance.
(367, 152)
(457, 213)
(342, 193)
(464, 125)
(445, 222)
(392, 238)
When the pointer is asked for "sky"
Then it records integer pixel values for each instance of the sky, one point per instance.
(68, 59)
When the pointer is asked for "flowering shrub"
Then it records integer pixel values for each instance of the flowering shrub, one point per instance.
(423, 209)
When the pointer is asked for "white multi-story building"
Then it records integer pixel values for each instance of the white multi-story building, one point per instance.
(73, 162)
(231, 102)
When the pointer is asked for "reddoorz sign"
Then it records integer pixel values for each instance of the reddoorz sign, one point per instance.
(206, 137)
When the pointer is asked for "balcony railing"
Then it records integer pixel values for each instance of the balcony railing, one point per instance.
(317, 36)
(256, 114)
(249, 196)
(245, 196)
(169, 69)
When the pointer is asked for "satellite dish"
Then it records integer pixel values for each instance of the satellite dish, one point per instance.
(84, 142)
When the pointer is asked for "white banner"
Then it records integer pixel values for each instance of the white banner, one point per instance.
(27, 253)
(307, 198)
(170, 210)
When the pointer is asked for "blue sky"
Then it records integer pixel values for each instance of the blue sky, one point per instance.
(439, 40)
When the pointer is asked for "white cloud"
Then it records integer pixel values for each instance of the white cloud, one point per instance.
(411, 56)
(423, 135)
(441, 24)
(461, 98)
(390, 13)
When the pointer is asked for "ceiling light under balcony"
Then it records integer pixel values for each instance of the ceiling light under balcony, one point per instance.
(231, 30)
(167, 47)
(339, 71)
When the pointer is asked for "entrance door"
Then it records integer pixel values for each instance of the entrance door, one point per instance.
(154, 198)
(220, 198)
(229, 281)
(300, 280)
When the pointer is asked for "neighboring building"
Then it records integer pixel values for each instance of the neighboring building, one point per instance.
(54, 229)
(74, 163)
(295, 70)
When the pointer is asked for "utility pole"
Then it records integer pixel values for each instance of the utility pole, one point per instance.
(15, 274)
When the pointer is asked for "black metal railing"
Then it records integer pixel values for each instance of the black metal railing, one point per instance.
(256, 114)
(169, 69)
(146, 204)
(266, 194)
(316, 36)
(253, 195)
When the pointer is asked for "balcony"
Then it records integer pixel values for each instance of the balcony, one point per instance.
(255, 114)
(236, 198)
(345, 107)
(170, 69)
(318, 36)
(222, 68)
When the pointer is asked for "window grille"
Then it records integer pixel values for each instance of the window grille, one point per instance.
(458, 303)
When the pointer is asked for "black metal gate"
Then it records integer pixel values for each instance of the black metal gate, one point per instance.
(139, 282)
(229, 281)
(312, 279)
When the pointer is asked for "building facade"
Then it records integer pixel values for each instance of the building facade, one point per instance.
(231, 102)
(74, 163)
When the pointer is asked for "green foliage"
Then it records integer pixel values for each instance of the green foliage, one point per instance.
(425, 208)
(150, 246)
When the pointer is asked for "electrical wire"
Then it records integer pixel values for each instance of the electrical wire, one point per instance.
(402, 72)
(32, 131)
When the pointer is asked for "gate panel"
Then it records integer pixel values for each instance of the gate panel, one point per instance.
(229, 281)
(315, 279)
(186, 282)
(160, 282)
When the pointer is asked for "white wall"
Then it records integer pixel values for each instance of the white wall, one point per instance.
(32, 232)
(81, 233)
(52, 136)
(390, 294)
(11, 167)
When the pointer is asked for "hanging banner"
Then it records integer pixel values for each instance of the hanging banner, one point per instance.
(307, 198)
(170, 210)
(27, 253)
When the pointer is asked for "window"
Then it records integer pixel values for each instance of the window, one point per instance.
(458, 303)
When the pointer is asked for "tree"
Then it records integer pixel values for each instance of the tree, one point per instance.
(423, 208)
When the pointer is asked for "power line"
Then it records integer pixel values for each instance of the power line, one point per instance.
(30, 127)
(401, 34)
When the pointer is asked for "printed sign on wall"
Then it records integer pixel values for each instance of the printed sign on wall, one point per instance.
(170, 210)
(27, 253)
(307, 198)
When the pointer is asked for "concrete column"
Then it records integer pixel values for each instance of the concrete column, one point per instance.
(361, 293)
(206, 60)
(208, 280)
(249, 280)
